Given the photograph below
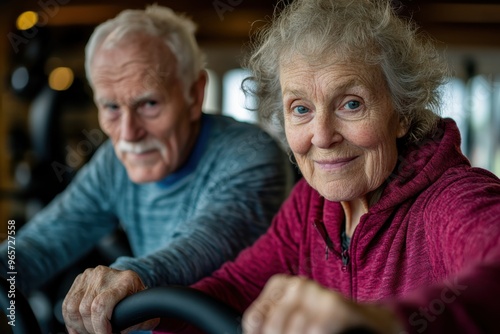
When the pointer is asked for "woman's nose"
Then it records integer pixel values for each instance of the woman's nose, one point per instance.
(325, 131)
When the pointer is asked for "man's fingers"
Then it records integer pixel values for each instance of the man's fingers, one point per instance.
(91, 299)
(102, 309)
(86, 311)
(71, 308)
(72, 317)
(72, 331)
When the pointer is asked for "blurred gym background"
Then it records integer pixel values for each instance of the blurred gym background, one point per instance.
(48, 123)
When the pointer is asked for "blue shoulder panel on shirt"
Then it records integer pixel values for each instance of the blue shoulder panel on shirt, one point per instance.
(194, 157)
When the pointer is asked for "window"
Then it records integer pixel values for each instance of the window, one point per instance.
(234, 102)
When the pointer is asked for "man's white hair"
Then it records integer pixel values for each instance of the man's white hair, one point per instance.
(176, 30)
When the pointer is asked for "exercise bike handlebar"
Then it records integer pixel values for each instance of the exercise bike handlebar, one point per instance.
(187, 304)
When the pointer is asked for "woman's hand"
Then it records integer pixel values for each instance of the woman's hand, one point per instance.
(89, 303)
(292, 304)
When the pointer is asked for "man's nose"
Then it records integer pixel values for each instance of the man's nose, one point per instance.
(131, 127)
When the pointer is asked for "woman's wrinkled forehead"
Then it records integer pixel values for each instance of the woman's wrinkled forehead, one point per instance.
(369, 76)
(334, 48)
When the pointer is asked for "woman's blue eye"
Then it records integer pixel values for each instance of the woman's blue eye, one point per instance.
(301, 110)
(353, 104)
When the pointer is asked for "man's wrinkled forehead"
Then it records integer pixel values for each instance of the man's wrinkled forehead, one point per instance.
(149, 59)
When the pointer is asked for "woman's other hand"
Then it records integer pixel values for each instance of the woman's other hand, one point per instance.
(291, 304)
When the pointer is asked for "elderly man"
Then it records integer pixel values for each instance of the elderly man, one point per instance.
(189, 189)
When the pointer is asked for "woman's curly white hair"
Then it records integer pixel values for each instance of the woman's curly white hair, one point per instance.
(369, 31)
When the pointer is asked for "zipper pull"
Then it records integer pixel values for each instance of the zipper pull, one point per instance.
(345, 257)
(320, 227)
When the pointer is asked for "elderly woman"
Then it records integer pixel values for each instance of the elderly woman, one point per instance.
(390, 229)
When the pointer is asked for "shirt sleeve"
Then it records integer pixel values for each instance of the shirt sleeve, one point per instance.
(238, 283)
(248, 182)
(463, 231)
(67, 228)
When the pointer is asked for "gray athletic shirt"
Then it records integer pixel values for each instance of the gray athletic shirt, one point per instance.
(181, 228)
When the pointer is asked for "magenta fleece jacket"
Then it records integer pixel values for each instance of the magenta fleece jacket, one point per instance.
(429, 248)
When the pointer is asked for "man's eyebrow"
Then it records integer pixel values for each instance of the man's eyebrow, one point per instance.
(103, 101)
(135, 101)
(147, 96)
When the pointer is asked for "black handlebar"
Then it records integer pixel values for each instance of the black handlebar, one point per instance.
(189, 305)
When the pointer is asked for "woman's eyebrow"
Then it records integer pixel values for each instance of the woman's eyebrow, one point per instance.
(353, 83)
(349, 84)
(292, 91)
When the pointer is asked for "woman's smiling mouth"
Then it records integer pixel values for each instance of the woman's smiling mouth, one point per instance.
(333, 164)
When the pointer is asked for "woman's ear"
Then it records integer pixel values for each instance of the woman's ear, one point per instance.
(403, 127)
(197, 94)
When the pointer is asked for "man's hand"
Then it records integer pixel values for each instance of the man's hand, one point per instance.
(292, 304)
(89, 303)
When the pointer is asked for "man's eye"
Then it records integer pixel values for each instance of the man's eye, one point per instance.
(353, 104)
(150, 108)
(300, 110)
(111, 107)
(110, 111)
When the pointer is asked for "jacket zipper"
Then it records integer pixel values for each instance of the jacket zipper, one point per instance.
(345, 251)
(344, 255)
(345, 259)
(346, 267)
(320, 227)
